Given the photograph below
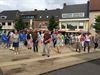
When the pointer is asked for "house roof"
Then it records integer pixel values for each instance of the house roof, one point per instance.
(43, 14)
(94, 5)
(78, 8)
(10, 14)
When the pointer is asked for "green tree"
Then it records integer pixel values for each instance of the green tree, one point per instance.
(52, 24)
(97, 23)
(19, 23)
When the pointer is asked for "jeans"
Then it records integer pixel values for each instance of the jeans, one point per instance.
(46, 49)
(87, 44)
(35, 46)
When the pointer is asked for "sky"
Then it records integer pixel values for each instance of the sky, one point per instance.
(25, 5)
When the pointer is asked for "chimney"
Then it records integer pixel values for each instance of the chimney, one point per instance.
(46, 9)
(58, 9)
(64, 5)
(35, 9)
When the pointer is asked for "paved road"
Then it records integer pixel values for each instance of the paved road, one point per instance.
(88, 68)
(1, 72)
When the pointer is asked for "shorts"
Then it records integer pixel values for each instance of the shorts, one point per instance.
(15, 44)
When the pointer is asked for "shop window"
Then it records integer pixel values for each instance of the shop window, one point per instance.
(63, 26)
(71, 27)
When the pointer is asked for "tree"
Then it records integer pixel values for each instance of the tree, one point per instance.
(52, 24)
(19, 23)
(97, 23)
(0, 27)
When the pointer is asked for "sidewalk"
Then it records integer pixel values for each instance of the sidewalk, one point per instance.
(29, 63)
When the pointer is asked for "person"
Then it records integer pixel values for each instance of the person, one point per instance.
(21, 39)
(8, 42)
(11, 40)
(78, 43)
(46, 44)
(29, 40)
(59, 42)
(16, 42)
(54, 39)
(66, 39)
(4, 39)
(95, 42)
(87, 42)
(82, 40)
(35, 40)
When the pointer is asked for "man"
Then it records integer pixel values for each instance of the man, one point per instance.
(46, 44)
(78, 43)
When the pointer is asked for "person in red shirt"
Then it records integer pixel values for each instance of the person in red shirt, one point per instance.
(46, 43)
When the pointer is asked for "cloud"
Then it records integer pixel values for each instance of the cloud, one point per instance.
(35, 4)
(59, 3)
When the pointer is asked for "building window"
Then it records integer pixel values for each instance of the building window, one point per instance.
(73, 15)
(3, 17)
(81, 26)
(47, 16)
(9, 23)
(72, 25)
(40, 16)
(63, 26)
(3, 23)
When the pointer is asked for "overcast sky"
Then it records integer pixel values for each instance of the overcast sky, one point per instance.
(35, 4)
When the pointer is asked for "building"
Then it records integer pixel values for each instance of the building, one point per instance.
(39, 18)
(7, 19)
(74, 18)
(94, 11)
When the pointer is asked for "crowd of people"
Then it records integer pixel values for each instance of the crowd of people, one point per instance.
(32, 39)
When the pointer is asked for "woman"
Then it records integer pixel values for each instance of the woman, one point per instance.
(4, 39)
(29, 40)
(35, 40)
(16, 42)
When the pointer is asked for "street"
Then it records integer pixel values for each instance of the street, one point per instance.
(88, 68)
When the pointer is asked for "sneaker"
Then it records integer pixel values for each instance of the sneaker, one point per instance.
(48, 55)
(43, 54)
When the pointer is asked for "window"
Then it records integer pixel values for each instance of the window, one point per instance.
(73, 15)
(63, 26)
(9, 23)
(40, 16)
(3, 17)
(81, 26)
(72, 25)
(47, 16)
(3, 23)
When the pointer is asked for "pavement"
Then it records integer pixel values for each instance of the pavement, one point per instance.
(30, 63)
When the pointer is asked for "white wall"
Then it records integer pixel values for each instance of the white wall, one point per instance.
(6, 26)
